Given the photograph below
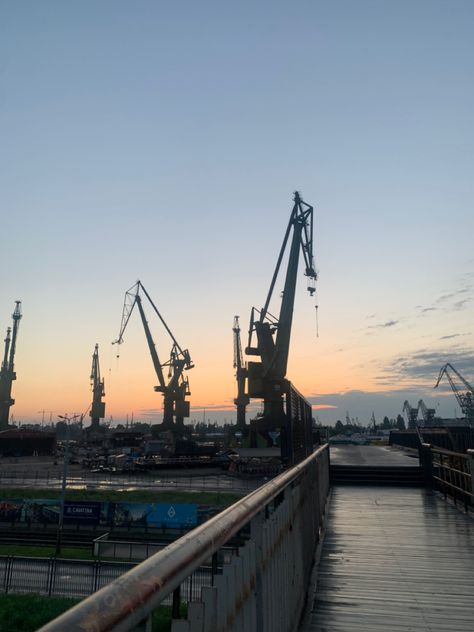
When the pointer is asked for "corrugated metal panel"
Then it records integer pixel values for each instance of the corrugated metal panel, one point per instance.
(394, 560)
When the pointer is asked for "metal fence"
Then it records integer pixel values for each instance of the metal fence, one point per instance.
(261, 588)
(56, 577)
(452, 473)
(52, 479)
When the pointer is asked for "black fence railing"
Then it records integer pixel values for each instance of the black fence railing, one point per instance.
(78, 578)
(216, 481)
(451, 473)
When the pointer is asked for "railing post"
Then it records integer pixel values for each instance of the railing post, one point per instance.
(175, 609)
(426, 462)
(256, 535)
(471, 467)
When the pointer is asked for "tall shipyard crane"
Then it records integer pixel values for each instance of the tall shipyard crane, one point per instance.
(462, 390)
(411, 414)
(428, 414)
(177, 388)
(242, 399)
(98, 392)
(7, 370)
(267, 378)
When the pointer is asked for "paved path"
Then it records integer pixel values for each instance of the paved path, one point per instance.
(394, 560)
(370, 455)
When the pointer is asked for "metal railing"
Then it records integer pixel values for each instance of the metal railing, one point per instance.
(52, 479)
(262, 587)
(57, 577)
(452, 473)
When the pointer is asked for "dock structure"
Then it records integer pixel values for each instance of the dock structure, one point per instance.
(390, 554)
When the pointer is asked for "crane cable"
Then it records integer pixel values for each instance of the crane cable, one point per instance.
(317, 319)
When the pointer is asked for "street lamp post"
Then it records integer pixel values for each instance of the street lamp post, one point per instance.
(64, 483)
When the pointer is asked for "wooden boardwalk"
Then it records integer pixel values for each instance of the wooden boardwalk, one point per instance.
(393, 560)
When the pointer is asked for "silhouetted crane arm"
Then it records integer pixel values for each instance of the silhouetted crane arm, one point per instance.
(175, 342)
(132, 298)
(444, 370)
(464, 399)
(151, 346)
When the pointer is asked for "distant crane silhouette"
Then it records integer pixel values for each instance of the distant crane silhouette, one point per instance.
(7, 370)
(462, 390)
(242, 400)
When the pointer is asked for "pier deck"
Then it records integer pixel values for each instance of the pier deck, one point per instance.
(394, 560)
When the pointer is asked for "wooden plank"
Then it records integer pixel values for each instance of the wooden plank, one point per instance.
(394, 560)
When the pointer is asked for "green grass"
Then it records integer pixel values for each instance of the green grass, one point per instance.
(26, 613)
(217, 499)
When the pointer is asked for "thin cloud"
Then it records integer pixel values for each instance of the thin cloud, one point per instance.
(423, 366)
(460, 304)
(388, 323)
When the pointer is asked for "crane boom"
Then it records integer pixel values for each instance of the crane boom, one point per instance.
(151, 345)
(463, 391)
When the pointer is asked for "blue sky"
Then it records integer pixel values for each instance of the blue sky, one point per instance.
(163, 141)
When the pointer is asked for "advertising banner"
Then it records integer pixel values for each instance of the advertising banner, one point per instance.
(169, 515)
(82, 512)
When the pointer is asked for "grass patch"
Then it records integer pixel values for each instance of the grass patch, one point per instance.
(27, 613)
(217, 499)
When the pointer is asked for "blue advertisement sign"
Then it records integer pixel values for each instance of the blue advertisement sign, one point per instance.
(159, 515)
(88, 512)
(178, 516)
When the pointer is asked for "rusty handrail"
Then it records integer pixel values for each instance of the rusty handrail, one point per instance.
(129, 599)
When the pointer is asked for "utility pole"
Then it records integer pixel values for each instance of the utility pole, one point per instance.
(59, 536)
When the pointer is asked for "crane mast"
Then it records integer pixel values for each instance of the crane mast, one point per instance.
(428, 414)
(242, 399)
(462, 390)
(7, 370)
(267, 378)
(98, 392)
(411, 414)
(177, 388)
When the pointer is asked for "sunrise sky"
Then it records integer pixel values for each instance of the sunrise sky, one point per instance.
(163, 142)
